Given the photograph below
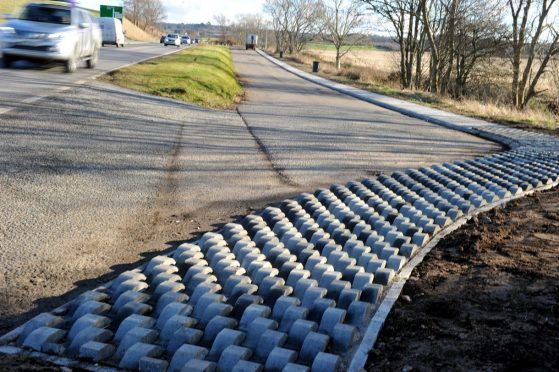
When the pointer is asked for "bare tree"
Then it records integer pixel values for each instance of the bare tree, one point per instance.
(146, 14)
(342, 20)
(535, 37)
(223, 24)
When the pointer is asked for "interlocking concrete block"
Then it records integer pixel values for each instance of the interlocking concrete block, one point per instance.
(344, 336)
(41, 320)
(359, 312)
(168, 298)
(91, 307)
(395, 262)
(41, 336)
(127, 297)
(176, 322)
(182, 336)
(131, 322)
(294, 367)
(371, 293)
(256, 329)
(131, 359)
(279, 358)
(231, 356)
(88, 320)
(133, 308)
(171, 310)
(148, 364)
(311, 295)
(330, 318)
(158, 260)
(214, 310)
(96, 351)
(325, 362)
(135, 335)
(125, 276)
(269, 340)
(185, 354)
(253, 312)
(384, 276)
(217, 325)
(313, 344)
(224, 339)
(246, 366)
(89, 334)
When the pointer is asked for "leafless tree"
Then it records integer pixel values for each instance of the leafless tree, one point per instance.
(146, 14)
(534, 38)
(343, 19)
(247, 24)
(223, 24)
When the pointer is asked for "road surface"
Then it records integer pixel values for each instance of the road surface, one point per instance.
(26, 82)
(94, 178)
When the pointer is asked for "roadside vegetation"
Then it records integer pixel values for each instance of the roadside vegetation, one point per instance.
(203, 75)
(493, 59)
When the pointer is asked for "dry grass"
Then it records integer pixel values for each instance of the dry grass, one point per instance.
(133, 32)
(377, 71)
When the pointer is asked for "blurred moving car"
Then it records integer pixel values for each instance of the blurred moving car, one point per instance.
(185, 39)
(172, 39)
(111, 31)
(53, 31)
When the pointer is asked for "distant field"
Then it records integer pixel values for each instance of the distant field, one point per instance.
(10, 6)
(202, 75)
(327, 46)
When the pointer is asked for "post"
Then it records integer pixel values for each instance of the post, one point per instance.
(266, 40)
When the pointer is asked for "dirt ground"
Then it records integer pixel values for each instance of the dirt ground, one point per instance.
(486, 298)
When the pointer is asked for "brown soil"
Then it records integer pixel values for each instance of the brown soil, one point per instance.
(486, 298)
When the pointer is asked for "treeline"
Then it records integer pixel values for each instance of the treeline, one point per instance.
(146, 14)
(442, 43)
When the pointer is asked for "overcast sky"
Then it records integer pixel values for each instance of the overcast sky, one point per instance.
(193, 11)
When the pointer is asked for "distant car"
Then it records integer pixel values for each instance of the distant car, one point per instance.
(112, 31)
(185, 40)
(52, 32)
(172, 39)
(196, 41)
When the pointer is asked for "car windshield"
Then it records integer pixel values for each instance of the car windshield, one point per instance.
(46, 14)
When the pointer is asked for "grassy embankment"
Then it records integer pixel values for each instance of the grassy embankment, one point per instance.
(376, 71)
(202, 75)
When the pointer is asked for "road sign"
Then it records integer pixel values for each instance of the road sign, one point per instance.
(111, 11)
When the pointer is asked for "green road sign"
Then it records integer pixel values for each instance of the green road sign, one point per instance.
(111, 11)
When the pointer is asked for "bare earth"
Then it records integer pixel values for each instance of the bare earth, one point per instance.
(486, 298)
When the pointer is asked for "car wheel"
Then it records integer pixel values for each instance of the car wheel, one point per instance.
(116, 45)
(71, 65)
(7, 62)
(92, 61)
(102, 44)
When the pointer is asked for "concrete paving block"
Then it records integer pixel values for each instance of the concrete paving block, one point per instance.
(253, 312)
(299, 330)
(279, 358)
(328, 277)
(256, 329)
(281, 306)
(224, 339)
(41, 336)
(97, 295)
(361, 279)
(312, 262)
(182, 336)
(325, 362)
(269, 340)
(194, 270)
(294, 367)
(134, 336)
(395, 262)
(330, 318)
(214, 310)
(231, 356)
(128, 285)
(371, 293)
(408, 250)
(168, 298)
(291, 314)
(384, 276)
(185, 354)
(41, 320)
(203, 301)
(217, 325)
(148, 364)
(176, 322)
(313, 344)
(96, 351)
(133, 321)
(171, 310)
(88, 320)
(344, 337)
(318, 308)
(133, 308)
(348, 296)
(158, 260)
(359, 312)
(91, 307)
(86, 335)
(127, 297)
(246, 366)
(311, 295)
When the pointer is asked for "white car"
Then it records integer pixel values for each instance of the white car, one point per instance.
(52, 32)
(172, 39)
(185, 39)
(112, 31)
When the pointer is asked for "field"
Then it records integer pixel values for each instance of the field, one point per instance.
(377, 70)
(201, 75)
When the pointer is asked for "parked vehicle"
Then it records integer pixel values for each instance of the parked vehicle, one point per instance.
(251, 41)
(52, 32)
(172, 39)
(111, 30)
(185, 39)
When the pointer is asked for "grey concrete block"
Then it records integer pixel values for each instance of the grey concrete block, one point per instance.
(253, 312)
(282, 304)
(171, 310)
(279, 358)
(42, 336)
(148, 364)
(185, 354)
(256, 329)
(183, 336)
(231, 356)
(325, 362)
(299, 330)
(269, 340)
(89, 334)
(330, 318)
(395, 262)
(168, 298)
(135, 335)
(384, 276)
(131, 322)
(359, 312)
(92, 307)
(224, 339)
(88, 320)
(96, 351)
(43, 320)
(217, 325)
(313, 344)
(131, 359)
(246, 366)
(176, 322)
(371, 293)
(344, 336)
(127, 297)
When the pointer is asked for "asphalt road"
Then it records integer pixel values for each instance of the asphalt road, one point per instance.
(94, 178)
(27, 82)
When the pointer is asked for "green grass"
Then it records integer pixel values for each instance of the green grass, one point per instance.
(203, 75)
(326, 46)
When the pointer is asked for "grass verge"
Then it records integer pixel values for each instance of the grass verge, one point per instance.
(363, 78)
(202, 75)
